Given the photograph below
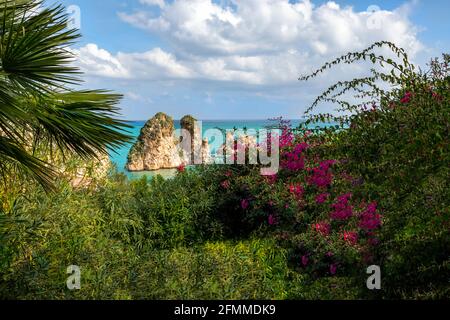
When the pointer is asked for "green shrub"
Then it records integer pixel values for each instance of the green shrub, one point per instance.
(254, 269)
(159, 213)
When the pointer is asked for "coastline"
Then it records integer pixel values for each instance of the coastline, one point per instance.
(119, 158)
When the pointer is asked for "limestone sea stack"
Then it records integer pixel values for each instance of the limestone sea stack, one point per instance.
(190, 139)
(157, 146)
(160, 147)
(195, 150)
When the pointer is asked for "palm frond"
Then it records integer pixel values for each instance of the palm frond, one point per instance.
(14, 158)
(33, 48)
(37, 100)
(81, 122)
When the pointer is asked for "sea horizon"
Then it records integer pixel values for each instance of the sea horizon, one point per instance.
(119, 158)
(227, 120)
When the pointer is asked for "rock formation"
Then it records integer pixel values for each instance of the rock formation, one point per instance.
(206, 152)
(194, 149)
(156, 147)
(190, 139)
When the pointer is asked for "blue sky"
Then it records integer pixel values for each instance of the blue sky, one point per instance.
(239, 59)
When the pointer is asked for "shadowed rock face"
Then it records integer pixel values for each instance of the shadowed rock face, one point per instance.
(157, 146)
(192, 148)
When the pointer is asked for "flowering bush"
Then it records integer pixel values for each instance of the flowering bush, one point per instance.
(394, 152)
(373, 192)
(308, 205)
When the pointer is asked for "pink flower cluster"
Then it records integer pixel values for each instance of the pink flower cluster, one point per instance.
(295, 160)
(323, 228)
(286, 138)
(322, 177)
(406, 98)
(225, 184)
(297, 190)
(351, 237)
(321, 198)
(272, 220)
(271, 179)
(245, 204)
(437, 96)
(333, 269)
(305, 261)
(370, 219)
(342, 208)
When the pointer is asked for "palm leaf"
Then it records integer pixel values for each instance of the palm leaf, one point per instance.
(15, 159)
(36, 95)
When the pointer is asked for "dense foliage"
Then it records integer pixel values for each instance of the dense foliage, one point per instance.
(372, 191)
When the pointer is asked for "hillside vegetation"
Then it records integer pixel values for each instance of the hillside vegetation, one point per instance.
(374, 190)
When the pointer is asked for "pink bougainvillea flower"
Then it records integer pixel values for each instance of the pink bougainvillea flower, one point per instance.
(370, 219)
(407, 98)
(342, 208)
(305, 260)
(225, 184)
(228, 173)
(286, 138)
(321, 175)
(321, 198)
(323, 228)
(333, 269)
(297, 190)
(372, 208)
(272, 220)
(271, 179)
(245, 204)
(351, 237)
(437, 96)
(327, 164)
(294, 160)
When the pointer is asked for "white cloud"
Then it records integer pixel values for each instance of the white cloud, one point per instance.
(159, 3)
(256, 42)
(153, 64)
(100, 62)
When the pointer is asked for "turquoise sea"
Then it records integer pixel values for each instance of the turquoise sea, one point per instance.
(120, 158)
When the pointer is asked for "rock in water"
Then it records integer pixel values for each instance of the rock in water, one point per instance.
(206, 152)
(157, 146)
(195, 150)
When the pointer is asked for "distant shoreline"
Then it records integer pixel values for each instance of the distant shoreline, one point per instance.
(226, 120)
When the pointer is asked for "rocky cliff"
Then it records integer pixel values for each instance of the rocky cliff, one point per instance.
(158, 147)
(194, 149)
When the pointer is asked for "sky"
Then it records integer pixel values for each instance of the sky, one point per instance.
(239, 59)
